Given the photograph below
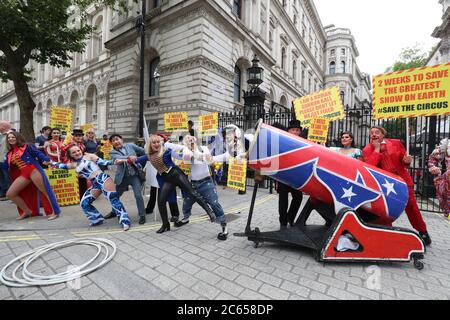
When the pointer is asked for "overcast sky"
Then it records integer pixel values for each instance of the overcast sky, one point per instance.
(381, 28)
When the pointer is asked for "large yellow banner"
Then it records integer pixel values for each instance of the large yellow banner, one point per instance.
(175, 121)
(412, 93)
(237, 172)
(208, 124)
(322, 104)
(61, 118)
(65, 185)
(318, 131)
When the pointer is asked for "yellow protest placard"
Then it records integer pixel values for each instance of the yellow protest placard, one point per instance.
(86, 127)
(412, 93)
(175, 121)
(186, 167)
(322, 104)
(61, 118)
(318, 131)
(105, 148)
(237, 173)
(65, 185)
(208, 124)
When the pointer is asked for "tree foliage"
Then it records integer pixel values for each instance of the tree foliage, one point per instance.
(410, 57)
(47, 31)
(44, 31)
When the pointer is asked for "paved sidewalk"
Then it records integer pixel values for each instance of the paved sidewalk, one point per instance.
(190, 263)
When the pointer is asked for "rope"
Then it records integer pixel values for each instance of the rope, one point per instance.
(30, 279)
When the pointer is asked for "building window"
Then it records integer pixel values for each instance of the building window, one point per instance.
(237, 84)
(283, 58)
(295, 20)
(332, 52)
(284, 3)
(237, 7)
(332, 67)
(343, 66)
(154, 77)
(303, 78)
(343, 52)
(294, 70)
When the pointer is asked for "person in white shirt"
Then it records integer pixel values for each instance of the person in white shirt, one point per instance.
(201, 182)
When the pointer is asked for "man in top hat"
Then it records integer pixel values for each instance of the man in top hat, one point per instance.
(289, 212)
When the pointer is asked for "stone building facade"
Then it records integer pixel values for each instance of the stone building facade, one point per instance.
(441, 54)
(196, 56)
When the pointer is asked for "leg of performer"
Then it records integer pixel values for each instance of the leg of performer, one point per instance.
(188, 202)
(415, 217)
(296, 202)
(13, 194)
(110, 193)
(182, 181)
(283, 202)
(208, 191)
(91, 212)
(37, 180)
(173, 205)
(162, 199)
(152, 200)
(137, 188)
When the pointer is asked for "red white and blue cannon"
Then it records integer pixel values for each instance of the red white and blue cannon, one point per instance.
(355, 197)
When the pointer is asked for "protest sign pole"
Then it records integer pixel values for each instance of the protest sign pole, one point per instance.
(407, 136)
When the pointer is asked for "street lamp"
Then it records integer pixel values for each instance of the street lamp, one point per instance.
(254, 97)
(140, 26)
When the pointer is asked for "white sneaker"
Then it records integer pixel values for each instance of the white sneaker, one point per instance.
(126, 227)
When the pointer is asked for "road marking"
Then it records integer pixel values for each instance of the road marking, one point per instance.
(157, 226)
(195, 219)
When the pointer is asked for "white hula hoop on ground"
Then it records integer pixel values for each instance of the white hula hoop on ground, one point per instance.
(103, 246)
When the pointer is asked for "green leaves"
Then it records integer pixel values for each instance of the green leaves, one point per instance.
(43, 30)
(411, 57)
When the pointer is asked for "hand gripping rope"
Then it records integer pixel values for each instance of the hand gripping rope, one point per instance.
(30, 279)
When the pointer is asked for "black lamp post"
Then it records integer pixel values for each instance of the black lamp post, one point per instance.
(140, 26)
(254, 97)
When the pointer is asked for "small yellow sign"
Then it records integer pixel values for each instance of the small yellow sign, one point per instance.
(86, 127)
(237, 173)
(65, 185)
(318, 131)
(412, 93)
(208, 124)
(61, 118)
(175, 121)
(322, 104)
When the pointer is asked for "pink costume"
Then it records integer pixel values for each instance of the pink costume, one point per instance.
(439, 158)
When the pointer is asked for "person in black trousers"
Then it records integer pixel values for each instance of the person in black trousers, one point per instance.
(288, 212)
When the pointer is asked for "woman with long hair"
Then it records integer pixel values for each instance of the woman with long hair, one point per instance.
(160, 156)
(26, 172)
(348, 146)
(53, 146)
(87, 166)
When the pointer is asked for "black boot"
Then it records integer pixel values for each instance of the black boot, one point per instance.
(164, 228)
(224, 234)
(180, 223)
(425, 237)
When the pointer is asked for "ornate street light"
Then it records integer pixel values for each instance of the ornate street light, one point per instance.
(255, 73)
(254, 97)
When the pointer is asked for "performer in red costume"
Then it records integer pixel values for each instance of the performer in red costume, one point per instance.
(390, 155)
(28, 179)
